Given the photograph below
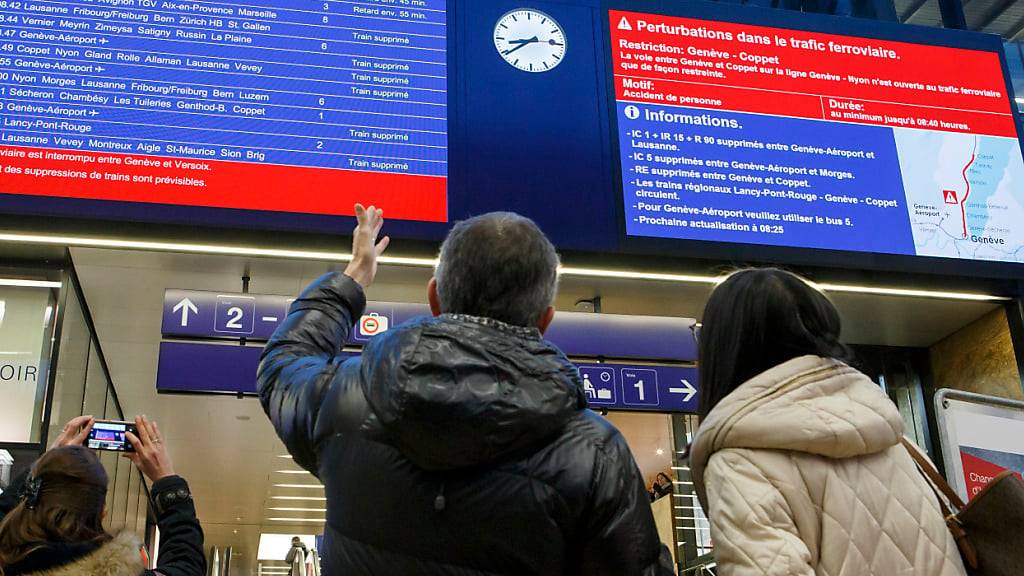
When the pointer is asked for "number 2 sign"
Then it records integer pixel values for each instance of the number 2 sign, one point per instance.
(235, 314)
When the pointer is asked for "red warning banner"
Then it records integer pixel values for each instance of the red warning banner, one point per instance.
(745, 68)
(220, 184)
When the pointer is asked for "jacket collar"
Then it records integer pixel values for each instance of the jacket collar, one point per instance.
(809, 404)
(119, 557)
(520, 331)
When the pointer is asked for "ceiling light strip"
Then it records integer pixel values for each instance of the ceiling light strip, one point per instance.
(21, 283)
(226, 250)
(285, 509)
(882, 291)
(313, 498)
(317, 520)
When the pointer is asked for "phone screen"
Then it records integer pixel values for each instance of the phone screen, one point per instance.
(111, 435)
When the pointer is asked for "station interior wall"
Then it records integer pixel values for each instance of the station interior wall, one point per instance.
(978, 358)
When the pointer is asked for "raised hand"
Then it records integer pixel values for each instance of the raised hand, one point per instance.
(365, 246)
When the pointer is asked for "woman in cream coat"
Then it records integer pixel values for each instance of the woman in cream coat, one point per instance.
(798, 460)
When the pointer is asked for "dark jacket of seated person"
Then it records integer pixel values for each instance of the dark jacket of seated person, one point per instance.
(456, 445)
(53, 522)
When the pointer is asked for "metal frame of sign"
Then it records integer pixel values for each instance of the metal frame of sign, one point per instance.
(950, 407)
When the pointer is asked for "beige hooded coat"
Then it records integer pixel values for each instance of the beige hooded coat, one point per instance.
(802, 473)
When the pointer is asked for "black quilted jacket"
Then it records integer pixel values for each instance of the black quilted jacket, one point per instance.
(453, 446)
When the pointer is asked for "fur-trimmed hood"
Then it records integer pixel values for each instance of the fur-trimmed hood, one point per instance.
(121, 556)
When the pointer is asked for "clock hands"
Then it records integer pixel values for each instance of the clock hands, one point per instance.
(525, 42)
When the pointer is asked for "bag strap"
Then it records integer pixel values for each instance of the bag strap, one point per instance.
(941, 488)
(937, 482)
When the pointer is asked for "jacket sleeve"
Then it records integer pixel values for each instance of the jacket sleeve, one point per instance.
(181, 536)
(300, 364)
(621, 537)
(751, 523)
(9, 499)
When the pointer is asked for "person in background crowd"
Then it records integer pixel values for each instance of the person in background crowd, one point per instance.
(293, 554)
(56, 527)
(798, 459)
(459, 444)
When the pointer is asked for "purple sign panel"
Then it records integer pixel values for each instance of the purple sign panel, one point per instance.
(640, 387)
(197, 314)
(191, 313)
(231, 369)
(210, 368)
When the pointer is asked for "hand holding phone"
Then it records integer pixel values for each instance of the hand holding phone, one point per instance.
(150, 453)
(111, 435)
(74, 433)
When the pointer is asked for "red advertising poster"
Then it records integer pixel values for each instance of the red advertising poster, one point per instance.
(988, 444)
(981, 466)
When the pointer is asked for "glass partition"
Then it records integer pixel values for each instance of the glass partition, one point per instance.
(26, 333)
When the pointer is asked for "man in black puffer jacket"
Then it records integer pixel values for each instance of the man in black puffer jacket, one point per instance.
(460, 444)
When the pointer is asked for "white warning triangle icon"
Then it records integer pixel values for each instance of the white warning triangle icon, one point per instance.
(624, 24)
(951, 197)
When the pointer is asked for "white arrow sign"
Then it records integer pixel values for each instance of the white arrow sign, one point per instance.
(185, 306)
(688, 389)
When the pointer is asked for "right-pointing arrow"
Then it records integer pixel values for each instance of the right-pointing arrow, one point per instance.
(687, 389)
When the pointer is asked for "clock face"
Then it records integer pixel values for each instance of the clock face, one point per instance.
(530, 40)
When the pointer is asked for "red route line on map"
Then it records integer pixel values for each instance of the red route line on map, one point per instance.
(963, 203)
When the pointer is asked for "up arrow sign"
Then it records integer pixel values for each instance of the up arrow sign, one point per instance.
(185, 306)
(687, 389)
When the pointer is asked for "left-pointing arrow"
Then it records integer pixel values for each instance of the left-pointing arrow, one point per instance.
(185, 306)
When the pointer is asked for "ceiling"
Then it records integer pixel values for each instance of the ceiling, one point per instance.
(227, 449)
(1002, 17)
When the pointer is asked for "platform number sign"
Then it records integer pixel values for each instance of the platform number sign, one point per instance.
(639, 387)
(235, 314)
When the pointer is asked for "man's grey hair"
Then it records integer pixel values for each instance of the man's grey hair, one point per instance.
(498, 265)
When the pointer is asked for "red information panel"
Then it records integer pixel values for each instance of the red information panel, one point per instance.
(726, 66)
(219, 184)
(733, 132)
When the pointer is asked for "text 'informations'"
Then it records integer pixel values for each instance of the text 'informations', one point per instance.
(748, 134)
(288, 106)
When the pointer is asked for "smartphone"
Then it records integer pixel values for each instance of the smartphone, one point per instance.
(111, 435)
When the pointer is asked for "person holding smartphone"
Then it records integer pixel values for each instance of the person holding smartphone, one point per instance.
(56, 525)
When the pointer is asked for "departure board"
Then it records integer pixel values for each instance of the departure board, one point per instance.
(762, 135)
(287, 106)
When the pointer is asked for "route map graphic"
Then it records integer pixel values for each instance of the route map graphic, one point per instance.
(964, 194)
(748, 134)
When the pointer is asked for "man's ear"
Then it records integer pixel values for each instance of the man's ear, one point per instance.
(435, 302)
(545, 319)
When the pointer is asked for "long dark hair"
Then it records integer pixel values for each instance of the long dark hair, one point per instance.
(68, 508)
(757, 319)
